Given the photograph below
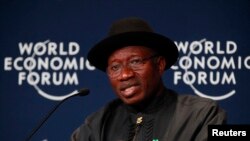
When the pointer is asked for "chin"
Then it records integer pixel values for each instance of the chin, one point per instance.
(132, 101)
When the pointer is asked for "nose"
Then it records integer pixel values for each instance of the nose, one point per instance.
(126, 73)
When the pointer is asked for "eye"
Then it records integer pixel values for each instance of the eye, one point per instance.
(135, 61)
(115, 67)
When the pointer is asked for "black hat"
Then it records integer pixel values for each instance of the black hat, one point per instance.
(127, 32)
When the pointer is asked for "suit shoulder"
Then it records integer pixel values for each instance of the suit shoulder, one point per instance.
(192, 100)
(103, 111)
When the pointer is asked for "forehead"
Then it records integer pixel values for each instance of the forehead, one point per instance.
(131, 51)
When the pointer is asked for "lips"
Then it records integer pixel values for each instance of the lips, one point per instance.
(129, 89)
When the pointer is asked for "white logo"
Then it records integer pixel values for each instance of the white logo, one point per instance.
(209, 63)
(202, 64)
(48, 63)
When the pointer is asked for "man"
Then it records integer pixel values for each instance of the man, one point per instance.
(135, 58)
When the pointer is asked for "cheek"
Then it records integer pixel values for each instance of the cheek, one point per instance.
(113, 83)
(150, 79)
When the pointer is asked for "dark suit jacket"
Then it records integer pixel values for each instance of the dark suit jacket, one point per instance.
(169, 117)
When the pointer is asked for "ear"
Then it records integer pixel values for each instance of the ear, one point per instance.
(161, 64)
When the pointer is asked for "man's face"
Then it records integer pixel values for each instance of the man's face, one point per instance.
(134, 78)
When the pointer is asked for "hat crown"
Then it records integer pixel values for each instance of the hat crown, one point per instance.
(131, 31)
(131, 24)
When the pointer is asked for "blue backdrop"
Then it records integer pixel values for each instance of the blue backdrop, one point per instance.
(43, 58)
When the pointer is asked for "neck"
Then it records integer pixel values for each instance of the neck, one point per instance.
(150, 100)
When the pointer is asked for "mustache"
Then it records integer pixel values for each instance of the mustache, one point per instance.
(126, 84)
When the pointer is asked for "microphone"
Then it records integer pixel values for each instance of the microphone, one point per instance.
(81, 92)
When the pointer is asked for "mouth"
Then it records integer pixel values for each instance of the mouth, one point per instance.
(129, 90)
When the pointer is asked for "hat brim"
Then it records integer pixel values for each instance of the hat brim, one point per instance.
(99, 54)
